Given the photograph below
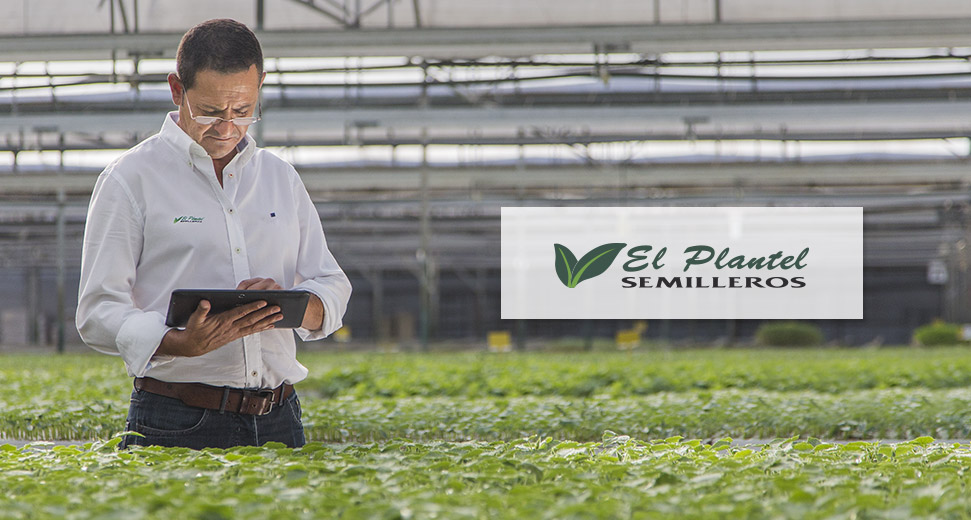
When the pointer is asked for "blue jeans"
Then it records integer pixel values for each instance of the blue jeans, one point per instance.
(165, 421)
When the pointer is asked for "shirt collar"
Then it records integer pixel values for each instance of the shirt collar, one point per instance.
(192, 151)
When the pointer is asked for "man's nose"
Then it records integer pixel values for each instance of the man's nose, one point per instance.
(224, 128)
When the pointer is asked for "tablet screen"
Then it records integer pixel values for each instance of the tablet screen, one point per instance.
(293, 304)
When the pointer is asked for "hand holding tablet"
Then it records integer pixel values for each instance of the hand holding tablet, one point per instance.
(292, 304)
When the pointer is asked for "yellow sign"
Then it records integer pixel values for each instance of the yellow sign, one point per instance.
(343, 334)
(499, 341)
(628, 339)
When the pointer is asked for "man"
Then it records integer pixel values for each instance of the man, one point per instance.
(199, 206)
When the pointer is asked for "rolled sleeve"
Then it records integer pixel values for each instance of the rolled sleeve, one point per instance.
(138, 339)
(334, 295)
(317, 271)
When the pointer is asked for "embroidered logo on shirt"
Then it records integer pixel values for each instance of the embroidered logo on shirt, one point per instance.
(189, 219)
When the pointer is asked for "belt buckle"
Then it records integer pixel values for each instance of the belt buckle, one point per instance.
(266, 397)
(268, 406)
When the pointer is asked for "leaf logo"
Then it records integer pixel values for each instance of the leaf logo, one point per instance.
(572, 271)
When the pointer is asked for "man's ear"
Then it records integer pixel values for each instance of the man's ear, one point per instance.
(175, 86)
(262, 78)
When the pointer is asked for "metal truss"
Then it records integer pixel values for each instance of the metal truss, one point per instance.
(521, 41)
(349, 14)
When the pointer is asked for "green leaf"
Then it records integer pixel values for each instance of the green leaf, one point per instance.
(595, 262)
(923, 441)
(666, 478)
(565, 262)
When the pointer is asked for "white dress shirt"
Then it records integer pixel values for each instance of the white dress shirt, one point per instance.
(160, 221)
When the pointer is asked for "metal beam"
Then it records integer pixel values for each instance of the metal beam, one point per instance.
(522, 41)
(753, 176)
(119, 143)
(899, 230)
(845, 117)
(652, 175)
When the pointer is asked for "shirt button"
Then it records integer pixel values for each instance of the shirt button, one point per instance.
(230, 175)
(238, 250)
(254, 373)
(231, 211)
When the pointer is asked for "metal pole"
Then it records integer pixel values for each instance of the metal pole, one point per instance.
(15, 110)
(417, 13)
(588, 335)
(963, 261)
(259, 15)
(33, 305)
(124, 17)
(377, 308)
(424, 295)
(520, 334)
(521, 194)
(20, 147)
(434, 297)
(480, 303)
(61, 199)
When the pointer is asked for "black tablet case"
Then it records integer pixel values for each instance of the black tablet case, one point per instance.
(293, 304)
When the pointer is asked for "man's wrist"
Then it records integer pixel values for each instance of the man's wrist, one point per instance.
(171, 344)
(313, 318)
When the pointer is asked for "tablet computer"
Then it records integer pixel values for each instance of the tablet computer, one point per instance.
(293, 304)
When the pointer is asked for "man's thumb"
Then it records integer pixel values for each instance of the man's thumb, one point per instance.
(202, 310)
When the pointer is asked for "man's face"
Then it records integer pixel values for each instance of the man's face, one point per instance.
(221, 95)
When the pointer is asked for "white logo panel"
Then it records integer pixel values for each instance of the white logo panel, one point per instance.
(673, 263)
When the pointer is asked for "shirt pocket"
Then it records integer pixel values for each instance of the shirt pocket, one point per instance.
(272, 241)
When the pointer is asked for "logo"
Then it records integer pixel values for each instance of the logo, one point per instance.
(572, 271)
(188, 219)
(682, 263)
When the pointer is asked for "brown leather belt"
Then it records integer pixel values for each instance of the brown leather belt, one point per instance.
(235, 400)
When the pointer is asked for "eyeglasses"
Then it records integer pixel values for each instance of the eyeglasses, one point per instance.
(211, 120)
